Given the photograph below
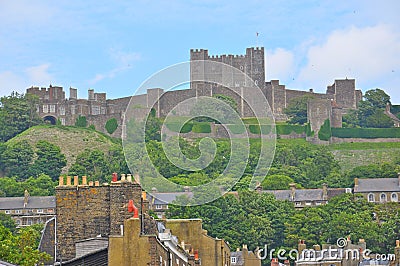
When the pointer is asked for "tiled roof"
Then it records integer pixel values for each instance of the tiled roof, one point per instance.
(239, 258)
(305, 194)
(11, 203)
(167, 197)
(377, 185)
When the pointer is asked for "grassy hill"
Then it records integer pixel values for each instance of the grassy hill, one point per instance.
(71, 140)
(351, 155)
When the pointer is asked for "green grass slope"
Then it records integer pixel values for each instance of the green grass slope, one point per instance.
(71, 140)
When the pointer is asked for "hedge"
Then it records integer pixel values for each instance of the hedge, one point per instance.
(237, 129)
(256, 129)
(201, 127)
(325, 132)
(366, 133)
(187, 127)
(288, 129)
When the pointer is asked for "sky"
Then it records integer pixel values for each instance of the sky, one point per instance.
(114, 46)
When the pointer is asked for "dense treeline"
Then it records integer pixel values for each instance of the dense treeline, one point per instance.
(258, 219)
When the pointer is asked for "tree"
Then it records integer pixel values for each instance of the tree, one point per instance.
(274, 182)
(7, 222)
(17, 113)
(297, 109)
(370, 111)
(50, 160)
(17, 159)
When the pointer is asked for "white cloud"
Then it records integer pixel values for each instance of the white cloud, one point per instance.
(39, 74)
(279, 64)
(34, 75)
(368, 54)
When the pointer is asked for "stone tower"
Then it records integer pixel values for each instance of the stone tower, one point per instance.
(252, 63)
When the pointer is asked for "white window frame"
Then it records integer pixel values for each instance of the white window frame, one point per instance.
(383, 197)
(233, 259)
(159, 207)
(52, 108)
(394, 197)
(370, 195)
(39, 211)
(17, 211)
(7, 211)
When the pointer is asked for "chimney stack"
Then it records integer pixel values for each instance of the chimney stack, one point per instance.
(324, 191)
(292, 191)
(301, 246)
(355, 182)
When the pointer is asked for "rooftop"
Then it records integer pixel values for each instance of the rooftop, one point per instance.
(34, 202)
(377, 185)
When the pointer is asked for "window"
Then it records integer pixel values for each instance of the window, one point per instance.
(371, 197)
(62, 110)
(233, 259)
(39, 211)
(45, 108)
(7, 212)
(318, 203)
(52, 108)
(18, 211)
(95, 110)
(298, 203)
(103, 110)
(50, 210)
(383, 197)
(18, 221)
(394, 197)
(308, 203)
(158, 206)
(348, 190)
(72, 110)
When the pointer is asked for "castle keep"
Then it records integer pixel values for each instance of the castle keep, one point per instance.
(336, 101)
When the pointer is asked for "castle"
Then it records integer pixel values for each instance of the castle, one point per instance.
(338, 99)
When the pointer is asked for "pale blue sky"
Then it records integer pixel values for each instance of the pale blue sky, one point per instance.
(113, 46)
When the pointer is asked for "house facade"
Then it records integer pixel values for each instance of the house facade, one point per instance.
(378, 190)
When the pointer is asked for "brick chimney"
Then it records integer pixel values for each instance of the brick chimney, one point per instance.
(355, 184)
(292, 191)
(324, 191)
(26, 198)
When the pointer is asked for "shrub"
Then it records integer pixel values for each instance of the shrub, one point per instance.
(81, 121)
(111, 125)
(187, 127)
(325, 132)
(288, 129)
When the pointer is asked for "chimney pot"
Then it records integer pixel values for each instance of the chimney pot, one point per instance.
(96, 183)
(397, 243)
(61, 181)
(196, 255)
(144, 195)
(76, 181)
(123, 179)
(129, 178)
(84, 180)
(114, 177)
(137, 178)
(68, 180)
(91, 183)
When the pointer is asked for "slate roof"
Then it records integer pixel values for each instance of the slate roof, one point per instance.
(305, 194)
(377, 185)
(3, 263)
(162, 198)
(239, 258)
(11, 203)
